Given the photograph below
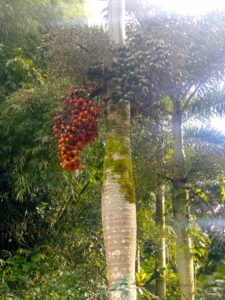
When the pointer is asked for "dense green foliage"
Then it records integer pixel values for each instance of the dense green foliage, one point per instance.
(23, 29)
(43, 208)
(50, 219)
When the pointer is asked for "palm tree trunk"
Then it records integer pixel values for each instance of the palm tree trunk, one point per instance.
(118, 195)
(138, 261)
(117, 20)
(161, 244)
(181, 211)
(118, 205)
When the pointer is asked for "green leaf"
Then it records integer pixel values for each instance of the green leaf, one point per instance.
(37, 257)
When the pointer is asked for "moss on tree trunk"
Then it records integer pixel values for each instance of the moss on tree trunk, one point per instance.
(118, 204)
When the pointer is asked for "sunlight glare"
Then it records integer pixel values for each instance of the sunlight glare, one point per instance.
(95, 12)
(192, 7)
(218, 123)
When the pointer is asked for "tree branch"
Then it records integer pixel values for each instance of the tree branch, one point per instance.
(188, 100)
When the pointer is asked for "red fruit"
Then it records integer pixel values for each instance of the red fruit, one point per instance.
(76, 126)
(75, 152)
(80, 101)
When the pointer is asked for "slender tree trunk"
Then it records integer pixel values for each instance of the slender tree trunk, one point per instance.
(118, 195)
(138, 261)
(117, 20)
(161, 244)
(118, 205)
(181, 211)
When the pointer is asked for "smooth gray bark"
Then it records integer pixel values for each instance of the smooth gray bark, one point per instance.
(118, 206)
(161, 243)
(118, 196)
(184, 256)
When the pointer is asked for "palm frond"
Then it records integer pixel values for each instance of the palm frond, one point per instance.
(210, 103)
(208, 135)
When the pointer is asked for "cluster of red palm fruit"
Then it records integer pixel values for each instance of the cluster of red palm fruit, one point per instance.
(76, 126)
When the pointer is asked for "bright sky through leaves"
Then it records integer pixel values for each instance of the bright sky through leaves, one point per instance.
(194, 7)
(191, 6)
(95, 12)
(219, 124)
(95, 15)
